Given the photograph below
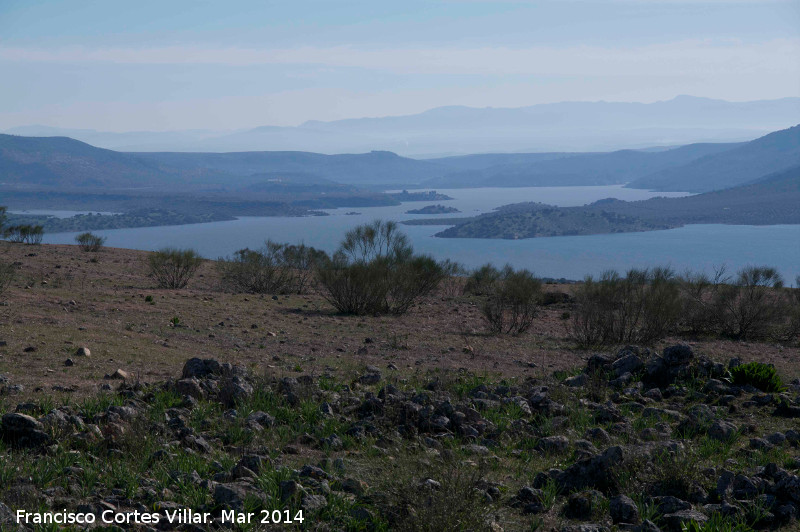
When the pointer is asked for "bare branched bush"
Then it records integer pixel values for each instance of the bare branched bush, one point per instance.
(27, 234)
(642, 307)
(453, 278)
(375, 271)
(792, 330)
(173, 268)
(752, 304)
(512, 301)
(302, 260)
(90, 242)
(481, 280)
(699, 296)
(274, 269)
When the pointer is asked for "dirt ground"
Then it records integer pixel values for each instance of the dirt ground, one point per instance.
(63, 299)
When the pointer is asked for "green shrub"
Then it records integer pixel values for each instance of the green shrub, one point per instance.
(512, 301)
(759, 375)
(375, 271)
(642, 307)
(173, 268)
(90, 242)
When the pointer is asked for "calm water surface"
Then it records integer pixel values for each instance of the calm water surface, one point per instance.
(696, 247)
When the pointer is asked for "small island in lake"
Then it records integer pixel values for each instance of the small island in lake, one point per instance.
(433, 209)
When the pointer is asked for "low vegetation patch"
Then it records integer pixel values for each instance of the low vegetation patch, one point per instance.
(90, 242)
(274, 269)
(759, 375)
(512, 301)
(24, 234)
(173, 268)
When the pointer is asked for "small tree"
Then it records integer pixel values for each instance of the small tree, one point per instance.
(173, 268)
(512, 301)
(90, 242)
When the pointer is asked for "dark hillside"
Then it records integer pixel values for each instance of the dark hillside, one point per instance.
(772, 153)
(64, 162)
(582, 169)
(384, 168)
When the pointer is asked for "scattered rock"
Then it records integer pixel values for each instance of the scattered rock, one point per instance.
(23, 431)
(119, 374)
(196, 367)
(83, 352)
(623, 510)
(722, 431)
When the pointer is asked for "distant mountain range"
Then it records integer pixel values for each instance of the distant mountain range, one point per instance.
(63, 163)
(566, 126)
(59, 162)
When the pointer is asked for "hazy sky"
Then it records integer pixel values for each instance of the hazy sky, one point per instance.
(186, 64)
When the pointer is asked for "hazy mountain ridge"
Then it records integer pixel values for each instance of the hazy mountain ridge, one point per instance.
(564, 126)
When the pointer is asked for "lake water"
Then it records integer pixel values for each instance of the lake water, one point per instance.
(695, 247)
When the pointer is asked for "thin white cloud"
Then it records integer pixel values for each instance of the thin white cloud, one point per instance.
(694, 56)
